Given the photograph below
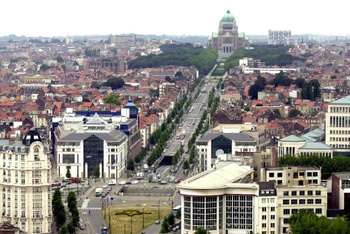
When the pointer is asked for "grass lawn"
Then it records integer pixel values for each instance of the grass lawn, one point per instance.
(122, 223)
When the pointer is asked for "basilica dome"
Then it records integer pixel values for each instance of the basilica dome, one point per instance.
(228, 17)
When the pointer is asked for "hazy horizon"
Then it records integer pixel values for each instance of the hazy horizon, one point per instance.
(64, 18)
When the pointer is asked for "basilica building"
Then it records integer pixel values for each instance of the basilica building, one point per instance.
(227, 40)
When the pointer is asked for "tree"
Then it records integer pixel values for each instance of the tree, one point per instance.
(258, 86)
(112, 99)
(299, 82)
(305, 221)
(68, 174)
(114, 82)
(94, 85)
(96, 172)
(171, 219)
(294, 113)
(186, 165)
(165, 226)
(70, 228)
(63, 230)
(201, 230)
(131, 165)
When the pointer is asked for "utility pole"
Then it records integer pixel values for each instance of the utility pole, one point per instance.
(159, 210)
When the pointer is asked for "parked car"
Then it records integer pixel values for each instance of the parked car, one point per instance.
(103, 194)
(122, 183)
(135, 181)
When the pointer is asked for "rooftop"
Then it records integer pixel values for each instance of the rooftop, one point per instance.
(342, 101)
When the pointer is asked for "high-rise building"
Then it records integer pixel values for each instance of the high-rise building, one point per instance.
(26, 183)
(227, 40)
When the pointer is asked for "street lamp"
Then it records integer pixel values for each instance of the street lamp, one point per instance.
(143, 218)
(131, 224)
(159, 210)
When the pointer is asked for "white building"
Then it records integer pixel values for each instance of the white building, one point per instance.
(26, 184)
(293, 145)
(214, 147)
(221, 200)
(83, 144)
(297, 188)
(338, 125)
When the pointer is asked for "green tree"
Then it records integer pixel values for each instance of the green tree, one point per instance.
(63, 230)
(131, 165)
(171, 219)
(305, 221)
(114, 82)
(299, 82)
(165, 226)
(68, 174)
(96, 172)
(201, 230)
(294, 113)
(186, 165)
(59, 59)
(70, 228)
(112, 99)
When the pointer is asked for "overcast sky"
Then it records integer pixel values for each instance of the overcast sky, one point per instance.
(180, 17)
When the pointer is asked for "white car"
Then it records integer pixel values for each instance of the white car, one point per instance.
(122, 183)
(135, 181)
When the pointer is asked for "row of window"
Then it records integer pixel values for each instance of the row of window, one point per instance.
(301, 201)
(302, 193)
(293, 211)
(343, 132)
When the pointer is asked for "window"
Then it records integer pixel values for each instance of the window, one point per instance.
(272, 225)
(294, 193)
(302, 193)
(285, 221)
(309, 174)
(285, 202)
(263, 200)
(264, 209)
(272, 200)
(294, 211)
(264, 225)
(309, 193)
(272, 216)
(318, 192)
(271, 174)
(272, 209)
(285, 193)
(301, 201)
(279, 174)
(263, 217)
(318, 210)
(294, 201)
(286, 211)
(315, 174)
(318, 201)
(310, 201)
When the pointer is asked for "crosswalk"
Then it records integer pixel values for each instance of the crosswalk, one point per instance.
(90, 208)
(84, 206)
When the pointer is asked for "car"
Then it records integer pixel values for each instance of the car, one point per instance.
(103, 194)
(81, 226)
(104, 230)
(163, 182)
(122, 183)
(180, 180)
(188, 125)
(135, 181)
(109, 188)
(157, 222)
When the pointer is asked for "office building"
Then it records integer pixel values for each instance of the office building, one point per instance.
(26, 183)
(221, 200)
(213, 147)
(338, 126)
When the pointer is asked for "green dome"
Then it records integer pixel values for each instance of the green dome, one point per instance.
(228, 17)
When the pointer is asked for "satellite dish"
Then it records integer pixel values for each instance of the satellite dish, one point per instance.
(219, 152)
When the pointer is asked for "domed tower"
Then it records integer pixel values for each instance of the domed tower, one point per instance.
(227, 35)
(31, 136)
(133, 110)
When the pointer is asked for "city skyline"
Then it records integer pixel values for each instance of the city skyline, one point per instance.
(77, 18)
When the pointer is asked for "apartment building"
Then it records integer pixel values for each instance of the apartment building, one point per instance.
(297, 188)
(26, 183)
(267, 208)
(338, 125)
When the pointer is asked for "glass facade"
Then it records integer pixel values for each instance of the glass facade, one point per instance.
(223, 143)
(239, 212)
(93, 153)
